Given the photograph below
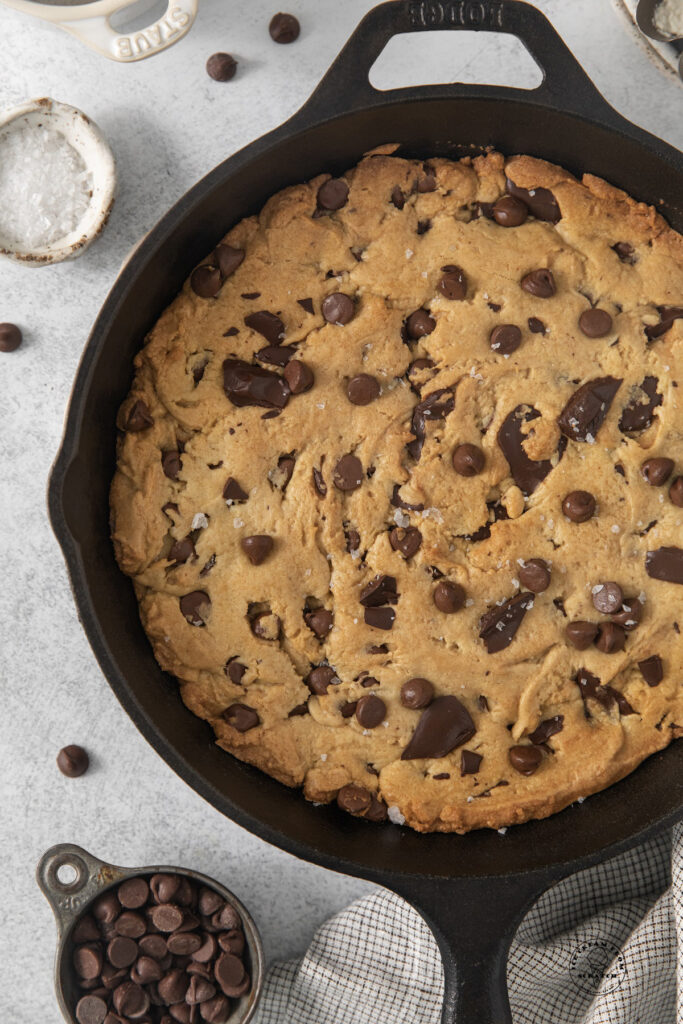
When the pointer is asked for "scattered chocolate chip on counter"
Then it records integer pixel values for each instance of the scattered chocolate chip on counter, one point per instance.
(73, 761)
(221, 67)
(284, 28)
(10, 337)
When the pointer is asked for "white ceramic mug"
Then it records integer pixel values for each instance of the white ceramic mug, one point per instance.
(89, 21)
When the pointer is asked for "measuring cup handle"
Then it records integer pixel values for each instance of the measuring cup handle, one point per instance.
(67, 899)
(97, 32)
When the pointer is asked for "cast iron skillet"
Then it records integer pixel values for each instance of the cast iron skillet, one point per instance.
(473, 889)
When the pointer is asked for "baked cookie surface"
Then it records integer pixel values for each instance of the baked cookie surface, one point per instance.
(400, 490)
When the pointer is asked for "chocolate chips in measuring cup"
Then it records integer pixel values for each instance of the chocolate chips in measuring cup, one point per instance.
(160, 949)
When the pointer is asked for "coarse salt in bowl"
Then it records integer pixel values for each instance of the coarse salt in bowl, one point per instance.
(57, 182)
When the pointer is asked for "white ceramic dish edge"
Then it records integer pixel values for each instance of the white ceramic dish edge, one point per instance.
(87, 139)
(90, 23)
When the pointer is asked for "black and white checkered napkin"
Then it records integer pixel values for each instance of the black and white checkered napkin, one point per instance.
(602, 947)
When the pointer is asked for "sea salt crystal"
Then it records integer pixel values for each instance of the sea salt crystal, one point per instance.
(200, 522)
(469, 602)
(615, 528)
(401, 519)
(515, 581)
(237, 523)
(45, 187)
(323, 757)
(502, 831)
(409, 253)
(395, 815)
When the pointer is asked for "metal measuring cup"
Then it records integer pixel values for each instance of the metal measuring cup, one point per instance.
(71, 899)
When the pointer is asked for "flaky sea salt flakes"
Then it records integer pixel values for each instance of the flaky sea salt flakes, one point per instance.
(45, 187)
(395, 815)
(200, 521)
(400, 518)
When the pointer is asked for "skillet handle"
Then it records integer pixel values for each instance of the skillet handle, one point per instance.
(565, 84)
(474, 922)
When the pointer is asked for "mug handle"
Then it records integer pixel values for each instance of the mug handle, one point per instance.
(96, 30)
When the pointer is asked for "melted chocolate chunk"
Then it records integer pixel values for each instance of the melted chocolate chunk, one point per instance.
(380, 618)
(591, 689)
(638, 414)
(138, 418)
(397, 197)
(624, 251)
(665, 564)
(319, 482)
(276, 355)
(470, 762)
(546, 729)
(318, 679)
(241, 717)
(435, 406)
(195, 607)
(171, 464)
(228, 258)
(306, 304)
(245, 384)
(536, 326)
(406, 541)
(585, 412)
(380, 590)
(181, 551)
(498, 626)
(541, 202)
(267, 324)
(232, 491)
(333, 194)
(398, 502)
(652, 670)
(443, 726)
(667, 315)
(527, 473)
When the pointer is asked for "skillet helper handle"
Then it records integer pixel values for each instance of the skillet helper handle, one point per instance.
(474, 922)
(97, 32)
(565, 84)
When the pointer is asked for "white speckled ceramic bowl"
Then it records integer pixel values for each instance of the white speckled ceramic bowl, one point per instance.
(89, 142)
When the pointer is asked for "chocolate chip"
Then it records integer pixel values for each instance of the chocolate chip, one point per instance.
(276, 355)
(436, 406)
(319, 482)
(499, 625)
(221, 67)
(535, 325)
(233, 492)
(320, 678)
(333, 194)
(284, 28)
(448, 597)
(348, 473)
(525, 760)
(482, 702)
(624, 251)
(667, 315)
(665, 564)
(306, 304)
(443, 726)
(590, 688)
(426, 183)
(139, 418)
(638, 415)
(130, 1000)
(153, 946)
(370, 711)
(348, 708)
(380, 618)
(579, 506)
(229, 972)
(657, 471)
(468, 460)
(181, 551)
(245, 385)
(469, 760)
(546, 729)
(505, 338)
(184, 943)
(319, 622)
(257, 547)
(380, 590)
(453, 284)
(338, 309)
(607, 597)
(267, 626)
(227, 917)
(676, 492)
(417, 693)
(130, 924)
(299, 376)
(269, 325)
(91, 1010)
(595, 323)
(242, 718)
(652, 670)
(406, 541)
(73, 761)
(173, 986)
(539, 283)
(122, 951)
(527, 473)
(216, 1010)
(10, 337)
(206, 281)
(133, 893)
(87, 961)
(107, 908)
(509, 212)
(362, 389)
(146, 971)
(541, 202)
(398, 502)
(629, 615)
(196, 606)
(164, 887)
(228, 258)
(611, 638)
(585, 412)
(535, 575)
(581, 634)
(354, 799)
(85, 930)
(171, 464)
(419, 324)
